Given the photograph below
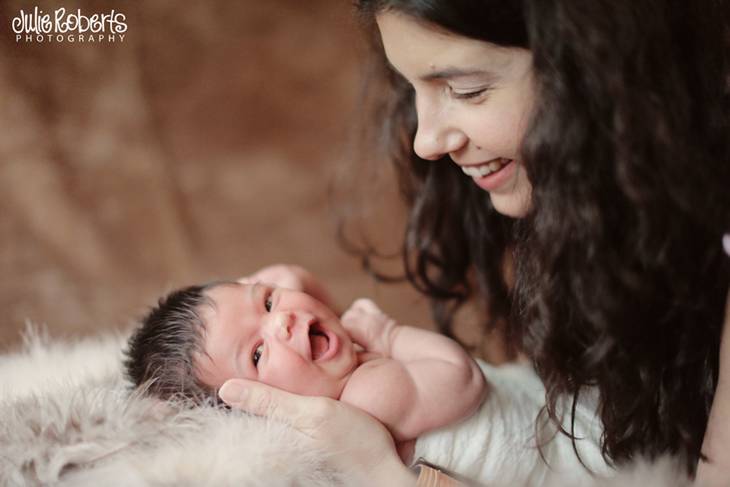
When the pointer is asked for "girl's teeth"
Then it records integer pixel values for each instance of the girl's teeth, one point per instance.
(494, 166)
(484, 169)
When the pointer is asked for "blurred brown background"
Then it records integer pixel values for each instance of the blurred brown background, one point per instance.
(200, 147)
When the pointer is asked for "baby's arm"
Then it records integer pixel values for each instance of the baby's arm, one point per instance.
(421, 380)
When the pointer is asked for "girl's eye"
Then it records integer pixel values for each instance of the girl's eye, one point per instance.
(466, 95)
(268, 303)
(257, 354)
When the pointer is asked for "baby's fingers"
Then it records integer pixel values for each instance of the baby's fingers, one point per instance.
(359, 325)
(366, 305)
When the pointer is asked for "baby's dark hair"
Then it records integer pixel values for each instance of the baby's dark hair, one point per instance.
(160, 352)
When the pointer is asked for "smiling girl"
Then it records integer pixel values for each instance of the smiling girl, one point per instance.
(587, 143)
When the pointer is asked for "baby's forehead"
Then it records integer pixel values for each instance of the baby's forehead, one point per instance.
(220, 291)
(210, 303)
(222, 316)
(225, 297)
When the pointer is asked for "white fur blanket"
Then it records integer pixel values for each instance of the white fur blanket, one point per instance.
(68, 419)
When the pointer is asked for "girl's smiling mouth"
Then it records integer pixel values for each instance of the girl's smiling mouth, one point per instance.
(493, 174)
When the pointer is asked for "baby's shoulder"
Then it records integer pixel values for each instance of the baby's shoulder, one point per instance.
(374, 372)
(369, 365)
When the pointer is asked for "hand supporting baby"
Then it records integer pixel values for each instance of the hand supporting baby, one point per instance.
(329, 426)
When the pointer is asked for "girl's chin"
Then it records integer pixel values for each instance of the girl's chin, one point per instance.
(514, 201)
(513, 205)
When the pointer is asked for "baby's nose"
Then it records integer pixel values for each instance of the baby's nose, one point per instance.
(279, 325)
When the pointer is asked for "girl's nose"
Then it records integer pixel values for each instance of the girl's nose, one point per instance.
(435, 137)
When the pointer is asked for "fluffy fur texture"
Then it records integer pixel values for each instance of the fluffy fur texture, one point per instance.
(68, 418)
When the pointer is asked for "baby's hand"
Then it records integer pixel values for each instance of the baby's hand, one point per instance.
(369, 327)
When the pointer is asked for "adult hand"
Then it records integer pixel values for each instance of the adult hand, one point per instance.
(356, 444)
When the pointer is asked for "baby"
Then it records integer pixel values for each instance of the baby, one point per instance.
(410, 379)
(278, 327)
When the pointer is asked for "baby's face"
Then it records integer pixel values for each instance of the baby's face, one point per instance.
(277, 336)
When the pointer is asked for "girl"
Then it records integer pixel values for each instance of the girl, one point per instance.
(583, 145)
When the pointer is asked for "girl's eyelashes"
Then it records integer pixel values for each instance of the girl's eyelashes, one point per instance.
(268, 301)
(467, 95)
(257, 354)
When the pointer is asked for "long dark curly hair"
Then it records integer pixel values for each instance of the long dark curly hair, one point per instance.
(620, 278)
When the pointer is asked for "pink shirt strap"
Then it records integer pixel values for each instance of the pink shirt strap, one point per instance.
(434, 476)
(430, 477)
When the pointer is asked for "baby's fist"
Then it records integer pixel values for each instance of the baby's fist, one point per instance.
(369, 326)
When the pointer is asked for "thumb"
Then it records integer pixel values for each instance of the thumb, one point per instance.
(262, 400)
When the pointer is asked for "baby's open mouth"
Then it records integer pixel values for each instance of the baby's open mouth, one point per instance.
(319, 342)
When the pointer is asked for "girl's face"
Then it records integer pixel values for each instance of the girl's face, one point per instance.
(473, 101)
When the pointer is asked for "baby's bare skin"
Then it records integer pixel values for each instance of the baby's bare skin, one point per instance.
(412, 380)
(418, 374)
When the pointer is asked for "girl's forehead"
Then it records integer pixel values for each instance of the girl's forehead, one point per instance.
(418, 46)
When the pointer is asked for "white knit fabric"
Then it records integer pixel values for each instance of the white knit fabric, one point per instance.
(498, 444)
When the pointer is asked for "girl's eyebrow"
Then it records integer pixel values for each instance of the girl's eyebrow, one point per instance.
(452, 72)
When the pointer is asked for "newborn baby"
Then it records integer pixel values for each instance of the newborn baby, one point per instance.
(275, 327)
(410, 379)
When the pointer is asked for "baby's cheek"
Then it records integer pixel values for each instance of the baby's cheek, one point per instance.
(205, 371)
(286, 373)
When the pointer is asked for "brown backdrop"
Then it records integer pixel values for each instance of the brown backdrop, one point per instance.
(199, 147)
(202, 146)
